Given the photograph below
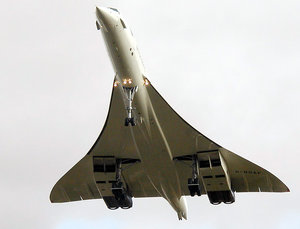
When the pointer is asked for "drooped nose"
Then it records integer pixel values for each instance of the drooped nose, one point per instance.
(105, 17)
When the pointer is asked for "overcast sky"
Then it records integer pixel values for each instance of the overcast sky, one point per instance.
(229, 68)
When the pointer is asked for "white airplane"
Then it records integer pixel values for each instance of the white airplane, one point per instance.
(147, 150)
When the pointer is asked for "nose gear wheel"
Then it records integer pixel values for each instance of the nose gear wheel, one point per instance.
(129, 92)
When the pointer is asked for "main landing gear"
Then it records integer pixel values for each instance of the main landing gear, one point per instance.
(129, 92)
(193, 183)
(110, 182)
(122, 196)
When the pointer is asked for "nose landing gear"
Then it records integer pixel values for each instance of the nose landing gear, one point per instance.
(129, 92)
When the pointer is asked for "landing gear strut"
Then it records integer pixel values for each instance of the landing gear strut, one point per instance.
(124, 200)
(193, 183)
(129, 92)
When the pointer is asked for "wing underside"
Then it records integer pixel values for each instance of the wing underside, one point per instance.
(223, 170)
(114, 143)
(85, 181)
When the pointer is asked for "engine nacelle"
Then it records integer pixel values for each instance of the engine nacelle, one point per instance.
(217, 197)
(107, 173)
(124, 202)
(121, 195)
(111, 202)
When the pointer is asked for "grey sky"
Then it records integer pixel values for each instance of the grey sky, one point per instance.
(229, 68)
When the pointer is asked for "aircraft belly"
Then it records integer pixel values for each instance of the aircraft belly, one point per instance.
(156, 157)
(124, 56)
(150, 143)
(143, 142)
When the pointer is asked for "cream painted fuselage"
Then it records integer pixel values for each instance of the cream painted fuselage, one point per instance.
(154, 151)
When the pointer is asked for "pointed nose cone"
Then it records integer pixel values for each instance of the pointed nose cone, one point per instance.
(100, 12)
(103, 16)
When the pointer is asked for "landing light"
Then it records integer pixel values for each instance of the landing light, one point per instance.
(146, 82)
(127, 81)
(116, 83)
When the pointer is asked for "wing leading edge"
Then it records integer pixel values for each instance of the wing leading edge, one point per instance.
(82, 182)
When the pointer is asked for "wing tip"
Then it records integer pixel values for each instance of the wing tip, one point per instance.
(287, 189)
(58, 195)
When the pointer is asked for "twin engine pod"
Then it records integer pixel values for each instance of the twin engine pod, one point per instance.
(216, 180)
(107, 173)
(120, 199)
(209, 176)
(218, 197)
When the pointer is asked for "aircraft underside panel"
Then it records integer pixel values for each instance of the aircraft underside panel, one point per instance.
(249, 177)
(182, 137)
(77, 184)
(227, 172)
(82, 182)
(116, 141)
(243, 175)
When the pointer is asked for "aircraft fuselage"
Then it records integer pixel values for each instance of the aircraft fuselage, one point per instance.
(130, 73)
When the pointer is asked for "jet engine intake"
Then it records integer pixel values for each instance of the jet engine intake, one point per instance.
(217, 197)
(122, 197)
(111, 202)
(124, 201)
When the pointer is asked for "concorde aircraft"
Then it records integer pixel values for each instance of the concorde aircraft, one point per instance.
(146, 149)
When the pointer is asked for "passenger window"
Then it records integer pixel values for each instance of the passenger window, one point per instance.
(123, 24)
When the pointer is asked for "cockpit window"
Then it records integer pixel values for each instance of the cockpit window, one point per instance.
(114, 10)
(123, 24)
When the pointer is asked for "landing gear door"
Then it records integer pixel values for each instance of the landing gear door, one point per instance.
(104, 169)
(226, 171)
